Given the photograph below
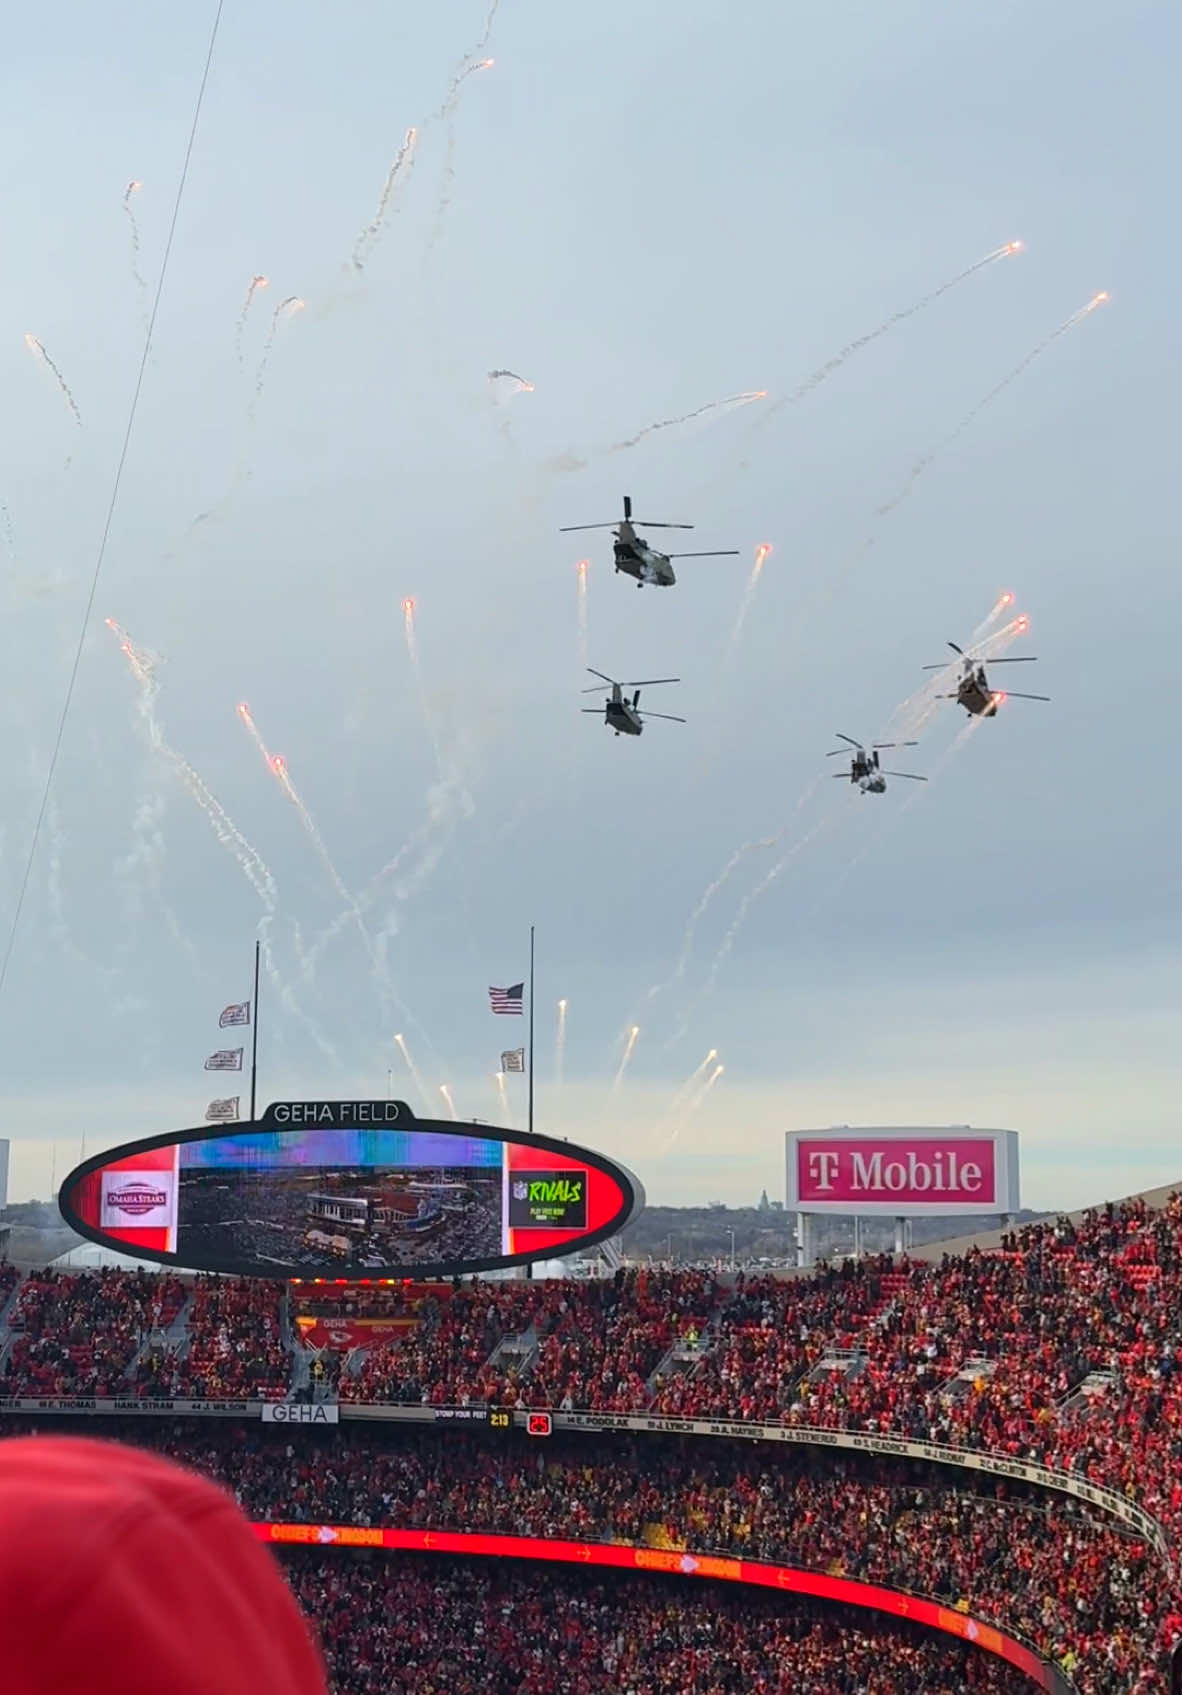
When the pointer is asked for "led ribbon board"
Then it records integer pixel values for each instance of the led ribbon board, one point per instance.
(359, 1189)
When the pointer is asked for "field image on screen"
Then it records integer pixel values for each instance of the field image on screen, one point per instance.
(268, 1201)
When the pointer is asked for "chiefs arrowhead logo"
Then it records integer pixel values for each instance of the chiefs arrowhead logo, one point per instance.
(584, 1554)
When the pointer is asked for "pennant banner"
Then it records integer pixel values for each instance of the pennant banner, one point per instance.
(237, 1013)
(227, 1059)
(222, 1112)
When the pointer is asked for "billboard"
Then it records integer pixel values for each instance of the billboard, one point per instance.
(903, 1172)
(348, 1189)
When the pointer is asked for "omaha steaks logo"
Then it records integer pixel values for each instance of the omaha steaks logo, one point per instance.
(136, 1199)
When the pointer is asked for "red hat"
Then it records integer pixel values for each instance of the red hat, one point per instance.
(124, 1574)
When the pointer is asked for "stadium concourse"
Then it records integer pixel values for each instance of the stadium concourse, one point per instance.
(1055, 1347)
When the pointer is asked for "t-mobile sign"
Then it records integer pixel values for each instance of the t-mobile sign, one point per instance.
(903, 1172)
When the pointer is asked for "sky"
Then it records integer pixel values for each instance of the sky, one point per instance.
(643, 210)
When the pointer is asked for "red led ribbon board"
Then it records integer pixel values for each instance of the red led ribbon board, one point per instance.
(793, 1580)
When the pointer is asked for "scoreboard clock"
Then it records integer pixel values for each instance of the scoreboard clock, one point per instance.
(500, 1419)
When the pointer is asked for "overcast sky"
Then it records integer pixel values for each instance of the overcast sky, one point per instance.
(641, 209)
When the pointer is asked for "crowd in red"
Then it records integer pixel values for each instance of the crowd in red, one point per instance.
(79, 1334)
(1085, 1595)
(475, 1628)
(987, 1351)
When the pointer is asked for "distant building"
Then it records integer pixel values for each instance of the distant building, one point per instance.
(4, 1147)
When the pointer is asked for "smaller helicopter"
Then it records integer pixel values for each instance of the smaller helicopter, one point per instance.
(621, 714)
(864, 767)
(636, 558)
(973, 691)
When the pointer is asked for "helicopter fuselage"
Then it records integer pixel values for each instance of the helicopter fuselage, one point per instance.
(975, 695)
(622, 718)
(635, 558)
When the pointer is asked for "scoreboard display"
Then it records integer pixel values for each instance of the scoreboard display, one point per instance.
(349, 1189)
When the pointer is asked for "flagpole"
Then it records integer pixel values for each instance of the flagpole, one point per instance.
(254, 1032)
(531, 1029)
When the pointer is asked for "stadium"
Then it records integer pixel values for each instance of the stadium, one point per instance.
(884, 1473)
(417, 1276)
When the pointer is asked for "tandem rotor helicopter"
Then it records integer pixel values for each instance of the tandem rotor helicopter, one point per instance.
(973, 691)
(637, 559)
(864, 767)
(621, 714)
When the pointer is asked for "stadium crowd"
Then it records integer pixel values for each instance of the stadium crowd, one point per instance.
(479, 1628)
(987, 1351)
(1086, 1595)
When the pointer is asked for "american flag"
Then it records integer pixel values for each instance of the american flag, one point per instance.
(222, 1111)
(507, 1000)
(237, 1013)
(228, 1059)
(514, 1060)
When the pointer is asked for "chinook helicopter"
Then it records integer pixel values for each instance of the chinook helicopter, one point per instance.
(973, 691)
(636, 558)
(864, 767)
(621, 714)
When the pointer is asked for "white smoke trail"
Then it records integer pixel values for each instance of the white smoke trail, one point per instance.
(415, 1073)
(37, 349)
(838, 360)
(761, 553)
(749, 900)
(560, 1046)
(581, 569)
(503, 1100)
(255, 284)
(134, 187)
(400, 169)
(974, 412)
(285, 310)
(451, 1105)
(629, 1050)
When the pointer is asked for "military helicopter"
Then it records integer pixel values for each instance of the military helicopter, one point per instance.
(636, 558)
(864, 767)
(621, 714)
(973, 691)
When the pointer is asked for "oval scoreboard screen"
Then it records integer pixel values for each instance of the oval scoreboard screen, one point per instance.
(348, 1189)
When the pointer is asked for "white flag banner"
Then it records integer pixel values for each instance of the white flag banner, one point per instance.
(227, 1059)
(222, 1112)
(237, 1013)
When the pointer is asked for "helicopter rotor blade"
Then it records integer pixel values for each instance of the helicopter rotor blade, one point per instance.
(648, 682)
(594, 710)
(627, 507)
(1015, 659)
(956, 649)
(909, 774)
(1010, 694)
(652, 524)
(591, 671)
(714, 553)
(849, 739)
(569, 529)
(668, 716)
(895, 744)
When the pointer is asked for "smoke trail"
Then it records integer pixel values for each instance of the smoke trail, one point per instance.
(974, 412)
(35, 347)
(629, 1050)
(255, 284)
(523, 387)
(705, 1089)
(503, 1099)
(740, 853)
(581, 570)
(1002, 603)
(415, 1072)
(134, 187)
(142, 665)
(675, 1111)
(731, 403)
(761, 553)
(852, 347)
(749, 900)
(400, 169)
(451, 1105)
(286, 309)
(560, 1046)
